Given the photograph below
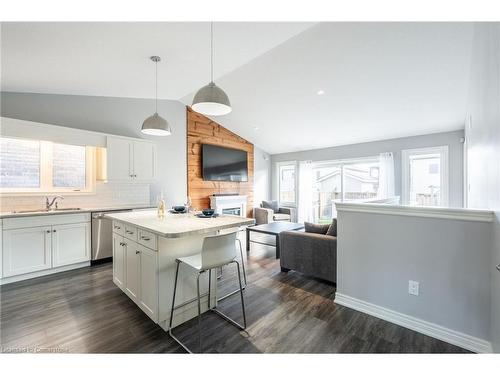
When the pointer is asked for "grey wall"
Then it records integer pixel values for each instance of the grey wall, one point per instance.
(119, 116)
(451, 139)
(262, 176)
(483, 147)
(379, 254)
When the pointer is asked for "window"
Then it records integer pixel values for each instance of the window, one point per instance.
(30, 167)
(287, 183)
(425, 176)
(342, 181)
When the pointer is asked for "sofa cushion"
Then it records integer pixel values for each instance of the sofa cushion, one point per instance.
(316, 228)
(332, 230)
(281, 217)
(273, 205)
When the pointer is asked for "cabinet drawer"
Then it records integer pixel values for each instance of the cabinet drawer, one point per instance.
(118, 227)
(130, 233)
(147, 239)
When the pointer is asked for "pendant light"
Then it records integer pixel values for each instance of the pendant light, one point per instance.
(155, 124)
(210, 99)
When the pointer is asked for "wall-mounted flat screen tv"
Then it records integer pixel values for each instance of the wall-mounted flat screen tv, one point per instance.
(224, 164)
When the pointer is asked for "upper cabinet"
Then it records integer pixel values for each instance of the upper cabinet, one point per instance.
(130, 160)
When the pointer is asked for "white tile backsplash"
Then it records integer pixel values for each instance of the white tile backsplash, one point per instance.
(106, 195)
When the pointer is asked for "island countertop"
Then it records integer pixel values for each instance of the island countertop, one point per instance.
(178, 225)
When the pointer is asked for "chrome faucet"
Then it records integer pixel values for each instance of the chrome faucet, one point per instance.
(49, 204)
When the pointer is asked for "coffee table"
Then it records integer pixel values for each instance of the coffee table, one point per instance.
(273, 229)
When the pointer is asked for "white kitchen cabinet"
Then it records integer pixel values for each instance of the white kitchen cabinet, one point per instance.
(70, 244)
(119, 261)
(148, 293)
(132, 270)
(144, 161)
(119, 158)
(130, 160)
(26, 250)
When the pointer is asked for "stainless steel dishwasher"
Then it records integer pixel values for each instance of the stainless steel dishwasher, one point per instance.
(102, 237)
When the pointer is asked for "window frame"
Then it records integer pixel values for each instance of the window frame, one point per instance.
(278, 174)
(444, 172)
(46, 173)
(341, 163)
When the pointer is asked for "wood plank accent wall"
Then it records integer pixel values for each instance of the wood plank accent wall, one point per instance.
(200, 130)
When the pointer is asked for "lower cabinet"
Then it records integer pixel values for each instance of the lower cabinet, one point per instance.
(39, 245)
(132, 269)
(118, 261)
(70, 244)
(135, 271)
(26, 250)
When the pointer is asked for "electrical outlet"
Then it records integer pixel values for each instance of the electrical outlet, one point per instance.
(413, 287)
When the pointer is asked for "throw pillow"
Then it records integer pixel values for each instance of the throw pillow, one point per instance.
(316, 228)
(273, 205)
(332, 230)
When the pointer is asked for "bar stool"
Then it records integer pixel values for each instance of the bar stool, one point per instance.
(216, 251)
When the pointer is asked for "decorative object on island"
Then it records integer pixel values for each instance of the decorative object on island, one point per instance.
(161, 207)
(211, 100)
(155, 124)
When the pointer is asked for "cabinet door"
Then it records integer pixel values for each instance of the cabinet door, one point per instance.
(118, 261)
(119, 159)
(70, 244)
(148, 294)
(132, 265)
(26, 250)
(144, 161)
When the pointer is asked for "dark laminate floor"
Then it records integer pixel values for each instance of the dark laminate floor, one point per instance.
(82, 311)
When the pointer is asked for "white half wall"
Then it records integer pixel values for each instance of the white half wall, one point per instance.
(483, 147)
(446, 251)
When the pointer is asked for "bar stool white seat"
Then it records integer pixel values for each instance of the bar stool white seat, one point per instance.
(216, 251)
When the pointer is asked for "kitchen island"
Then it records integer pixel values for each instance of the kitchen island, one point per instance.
(144, 252)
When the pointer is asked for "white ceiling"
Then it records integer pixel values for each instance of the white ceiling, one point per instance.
(381, 80)
(112, 59)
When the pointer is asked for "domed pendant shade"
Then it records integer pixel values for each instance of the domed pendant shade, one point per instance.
(211, 100)
(155, 124)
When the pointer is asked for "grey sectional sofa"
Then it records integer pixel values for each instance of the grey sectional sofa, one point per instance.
(312, 254)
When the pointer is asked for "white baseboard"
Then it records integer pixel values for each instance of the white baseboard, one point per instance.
(32, 275)
(430, 329)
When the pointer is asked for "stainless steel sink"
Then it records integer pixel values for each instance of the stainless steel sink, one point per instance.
(46, 211)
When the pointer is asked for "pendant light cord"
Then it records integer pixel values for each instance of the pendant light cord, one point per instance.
(211, 51)
(156, 86)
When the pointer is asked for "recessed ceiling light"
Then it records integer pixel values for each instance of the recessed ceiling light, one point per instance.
(255, 128)
(320, 92)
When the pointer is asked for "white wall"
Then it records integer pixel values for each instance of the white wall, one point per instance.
(451, 139)
(483, 147)
(262, 176)
(378, 254)
(119, 116)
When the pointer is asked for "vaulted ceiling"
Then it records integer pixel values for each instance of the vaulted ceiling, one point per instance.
(378, 80)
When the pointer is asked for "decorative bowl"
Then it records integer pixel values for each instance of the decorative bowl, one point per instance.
(179, 208)
(208, 211)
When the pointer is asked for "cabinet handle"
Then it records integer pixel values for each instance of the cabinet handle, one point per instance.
(137, 252)
(145, 238)
(54, 231)
(48, 231)
(117, 227)
(129, 232)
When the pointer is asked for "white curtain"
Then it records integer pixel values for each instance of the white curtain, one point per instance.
(305, 204)
(386, 176)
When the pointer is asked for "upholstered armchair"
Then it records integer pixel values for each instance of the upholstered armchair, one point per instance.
(269, 211)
